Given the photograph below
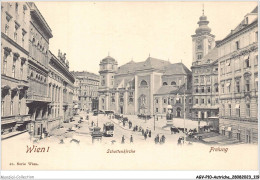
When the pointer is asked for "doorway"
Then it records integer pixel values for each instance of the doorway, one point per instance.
(121, 109)
(178, 112)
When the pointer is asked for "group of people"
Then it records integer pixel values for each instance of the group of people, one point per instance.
(123, 139)
(159, 140)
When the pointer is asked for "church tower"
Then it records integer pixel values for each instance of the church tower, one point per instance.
(203, 41)
(107, 70)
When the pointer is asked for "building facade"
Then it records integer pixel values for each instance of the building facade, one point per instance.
(205, 75)
(38, 64)
(130, 88)
(61, 89)
(86, 92)
(14, 65)
(238, 77)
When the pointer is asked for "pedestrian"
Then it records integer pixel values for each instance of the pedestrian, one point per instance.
(145, 136)
(157, 139)
(163, 139)
(131, 139)
(150, 133)
(123, 139)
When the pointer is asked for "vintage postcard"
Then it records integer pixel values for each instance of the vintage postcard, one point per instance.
(129, 85)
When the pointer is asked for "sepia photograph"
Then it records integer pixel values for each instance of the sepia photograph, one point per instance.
(129, 85)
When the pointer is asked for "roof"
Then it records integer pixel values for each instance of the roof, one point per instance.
(212, 56)
(84, 73)
(177, 68)
(125, 82)
(242, 24)
(149, 63)
(181, 90)
(108, 59)
(166, 89)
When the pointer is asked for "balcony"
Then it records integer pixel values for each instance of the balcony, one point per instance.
(15, 118)
(36, 97)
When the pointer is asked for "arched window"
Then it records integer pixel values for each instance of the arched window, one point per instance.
(173, 83)
(165, 84)
(143, 83)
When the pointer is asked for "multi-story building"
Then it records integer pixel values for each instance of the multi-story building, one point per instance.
(238, 77)
(130, 88)
(15, 52)
(60, 91)
(176, 83)
(205, 74)
(87, 90)
(38, 62)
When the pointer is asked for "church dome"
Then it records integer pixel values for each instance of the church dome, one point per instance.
(108, 59)
(203, 25)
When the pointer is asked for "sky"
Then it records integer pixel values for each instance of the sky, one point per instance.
(88, 31)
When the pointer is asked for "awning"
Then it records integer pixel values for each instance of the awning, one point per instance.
(6, 87)
(228, 84)
(229, 129)
(237, 106)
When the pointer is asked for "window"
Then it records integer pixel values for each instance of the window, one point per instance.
(197, 101)
(237, 45)
(143, 83)
(248, 110)
(222, 88)
(228, 66)
(164, 110)
(157, 101)
(5, 63)
(21, 71)
(202, 89)
(238, 85)
(256, 83)
(173, 83)
(196, 81)
(237, 110)
(208, 89)
(196, 90)
(157, 110)
(164, 101)
(228, 87)
(6, 29)
(216, 100)
(208, 101)
(190, 100)
(208, 79)
(23, 37)
(247, 85)
(19, 107)
(12, 107)
(216, 88)
(202, 79)
(13, 69)
(165, 84)
(2, 107)
(199, 56)
(103, 82)
(131, 100)
(15, 31)
(121, 99)
(229, 109)
(256, 60)
(16, 7)
(247, 64)
(103, 100)
(202, 101)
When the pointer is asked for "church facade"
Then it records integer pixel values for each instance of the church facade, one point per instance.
(132, 87)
